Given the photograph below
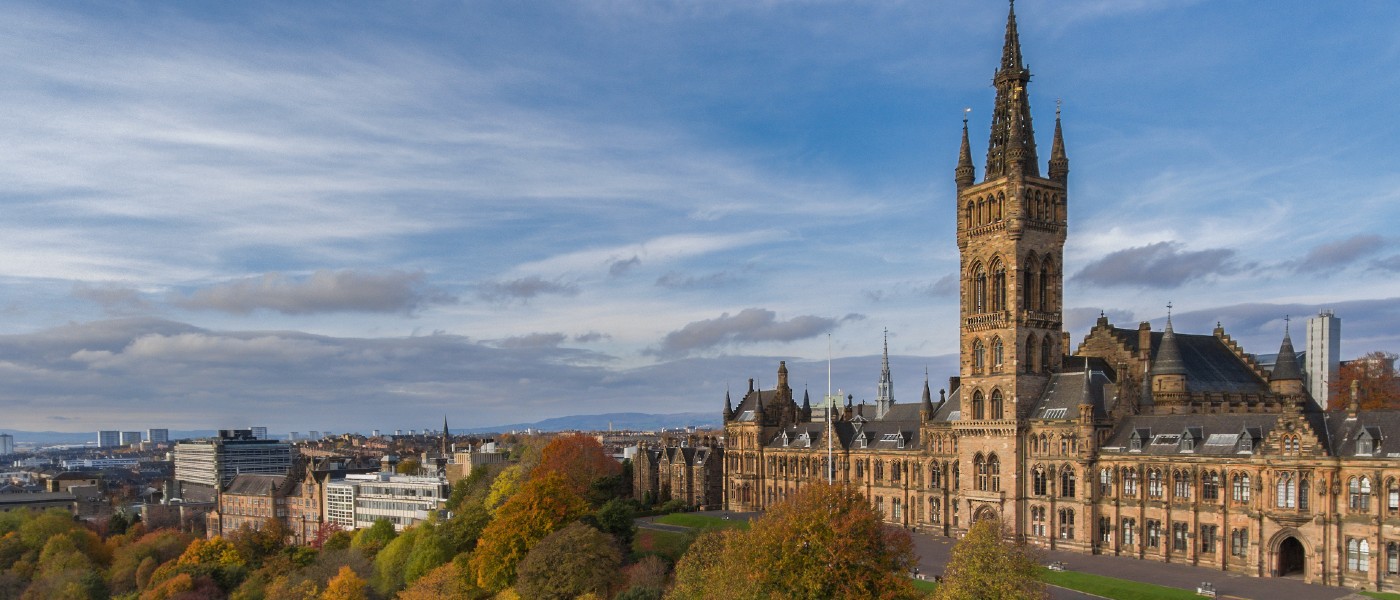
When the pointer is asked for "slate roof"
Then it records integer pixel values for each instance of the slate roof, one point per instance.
(1082, 379)
(254, 485)
(1210, 365)
(745, 410)
(1382, 425)
(1211, 432)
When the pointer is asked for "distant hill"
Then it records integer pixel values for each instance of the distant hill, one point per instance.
(634, 421)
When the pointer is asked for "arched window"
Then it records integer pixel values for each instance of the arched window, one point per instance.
(998, 286)
(996, 404)
(1210, 486)
(979, 290)
(1364, 558)
(1066, 524)
(1066, 482)
(1183, 484)
(978, 408)
(1045, 355)
(1287, 491)
(933, 511)
(994, 472)
(979, 356)
(1130, 483)
(1028, 284)
(957, 479)
(1000, 202)
(998, 354)
(967, 215)
(1028, 359)
(1392, 497)
(1353, 555)
(1360, 492)
(935, 476)
(1105, 483)
(1038, 485)
(1392, 559)
(979, 467)
(1303, 494)
(1038, 521)
(1044, 292)
(1241, 487)
(1154, 483)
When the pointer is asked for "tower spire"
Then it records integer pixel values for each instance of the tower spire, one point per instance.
(1059, 163)
(885, 390)
(1011, 149)
(728, 405)
(965, 174)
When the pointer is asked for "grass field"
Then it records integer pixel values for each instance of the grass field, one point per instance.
(1119, 589)
(924, 586)
(666, 544)
(701, 521)
(1382, 595)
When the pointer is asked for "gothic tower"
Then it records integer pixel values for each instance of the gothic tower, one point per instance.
(1011, 236)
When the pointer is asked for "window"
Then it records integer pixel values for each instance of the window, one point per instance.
(1038, 481)
(1028, 285)
(979, 467)
(994, 472)
(1066, 482)
(979, 291)
(1154, 483)
(1287, 491)
(879, 470)
(999, 287)
(1358, 555)
(935, 476)
(933, 510)
(1208, 539)
(1154, 534)
(979, 356)
(1130, 483)
(1105, 483)
(1392, 497)
(897, 513)
(1038, 521)
(1180, 532)
(1028, 359)
(1392, 559)
(1303, 494)
(1044, 282)
(895, 469)
(998, 354)
(1182, 479)
(996, 403)
(1067, 524)
(1240, 487)
(1129, 532)
(978, 406)
(1239, 543)
(1210, 486)
(1045, 354)
(957, 481)
(1105, 530)
(1360, 493)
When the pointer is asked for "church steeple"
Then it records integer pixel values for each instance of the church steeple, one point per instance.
(884, 398)
(1011, 149)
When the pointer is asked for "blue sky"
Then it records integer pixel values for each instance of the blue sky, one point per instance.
(346, 216)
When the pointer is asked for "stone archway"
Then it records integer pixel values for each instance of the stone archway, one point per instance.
(1290, 558)
(985, 513)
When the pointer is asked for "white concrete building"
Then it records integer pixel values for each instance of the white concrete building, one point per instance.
(357, 501)
(1323, 356)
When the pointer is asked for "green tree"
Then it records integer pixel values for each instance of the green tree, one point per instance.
(465, 527)
(618, 519)
(389, 563)
(573, 561)
(540, 508)
(373, 538)
(432, 550)
(983, 566)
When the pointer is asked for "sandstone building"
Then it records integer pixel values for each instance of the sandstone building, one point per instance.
(1138, 442)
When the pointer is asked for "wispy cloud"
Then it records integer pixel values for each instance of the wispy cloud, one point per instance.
(1159, 265)
(1340, 254)
(524, 289)
(321, 292)
(751, 325)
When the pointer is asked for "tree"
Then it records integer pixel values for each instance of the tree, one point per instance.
(541, 507)
(346, 585)
(447, 581)
(505, 485)
(1377, 386)
(823, 542)
(983, 566)
(618, 519)
(371, 539)
(579, 459)
(575, 560)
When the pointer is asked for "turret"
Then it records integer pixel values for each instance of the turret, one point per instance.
(728, 407)
(1168, 370)
(1059, 162)
(927, 400)
(965, 174)
(806, 406)
(1286, 378)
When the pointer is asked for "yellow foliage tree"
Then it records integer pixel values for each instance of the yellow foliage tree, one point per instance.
(983, 566)
(346, 585)
(540, 508)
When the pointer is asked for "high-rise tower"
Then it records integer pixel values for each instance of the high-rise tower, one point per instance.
(1323, 355)
(1011, 236)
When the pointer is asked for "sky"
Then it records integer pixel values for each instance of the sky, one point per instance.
(371, 215)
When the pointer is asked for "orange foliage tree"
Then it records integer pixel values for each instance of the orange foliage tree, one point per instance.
(1377, 386)
(541, 507)
(579, 459)
(823, 542)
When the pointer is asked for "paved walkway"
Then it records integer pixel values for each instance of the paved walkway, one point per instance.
(934, 550)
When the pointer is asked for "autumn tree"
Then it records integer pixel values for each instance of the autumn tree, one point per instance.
(983, 566)
(1377, 386)
(346, 585)
(573, 561)
(143, 554)
(451, 580)
(580, 460)
(541, 507)
(823, 542)
(504, 486)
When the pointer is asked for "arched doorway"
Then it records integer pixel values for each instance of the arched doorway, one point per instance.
(985, 513)
(1292, 559)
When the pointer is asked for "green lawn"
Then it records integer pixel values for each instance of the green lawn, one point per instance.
(701, 521)
(924, 586)
(1382, 595)
(1119, 589)
(666, 544)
